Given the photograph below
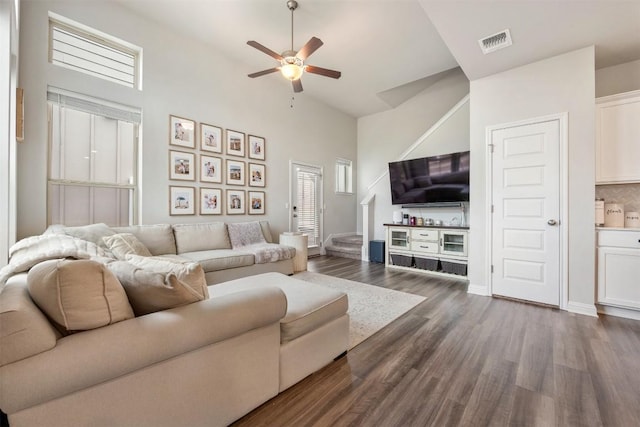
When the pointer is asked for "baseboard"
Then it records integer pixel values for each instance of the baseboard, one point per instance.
(619, 312)
(478, 290)
(582, 308)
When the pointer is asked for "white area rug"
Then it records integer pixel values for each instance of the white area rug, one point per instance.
(371, 308)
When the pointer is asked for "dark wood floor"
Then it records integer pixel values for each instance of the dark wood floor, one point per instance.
(460, 359)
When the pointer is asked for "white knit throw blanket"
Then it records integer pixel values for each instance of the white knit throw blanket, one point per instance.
(32, 250)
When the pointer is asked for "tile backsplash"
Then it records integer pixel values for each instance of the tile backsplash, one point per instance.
(627, 194)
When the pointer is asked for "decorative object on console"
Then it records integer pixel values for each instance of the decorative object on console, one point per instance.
(256, 147)
(182, 132)
(210, 201)
(600, 212)
(210, 138)
(235, 143)
(291, 63)
(181, 200)
(182, 166)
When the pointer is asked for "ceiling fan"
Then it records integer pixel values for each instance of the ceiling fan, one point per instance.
(291, 62)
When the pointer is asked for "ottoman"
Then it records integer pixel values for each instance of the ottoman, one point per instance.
(315, 329)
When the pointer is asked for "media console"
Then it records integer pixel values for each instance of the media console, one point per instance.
(425, 249)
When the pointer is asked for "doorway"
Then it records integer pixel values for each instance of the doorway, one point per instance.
(527, 212)
(306, 204)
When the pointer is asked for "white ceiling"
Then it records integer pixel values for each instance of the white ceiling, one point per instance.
(388, 49)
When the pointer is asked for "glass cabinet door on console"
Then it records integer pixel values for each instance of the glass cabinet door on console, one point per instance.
(453, 243)
(399, 238)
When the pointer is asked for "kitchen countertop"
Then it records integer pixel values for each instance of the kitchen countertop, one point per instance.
(453, 227)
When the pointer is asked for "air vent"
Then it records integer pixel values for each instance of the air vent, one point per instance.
(495, 42)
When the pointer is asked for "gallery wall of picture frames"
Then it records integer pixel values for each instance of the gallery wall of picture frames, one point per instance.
(211, 155)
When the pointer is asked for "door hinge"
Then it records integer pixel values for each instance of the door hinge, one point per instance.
(491, 208)
(491, 147)
(491, 269)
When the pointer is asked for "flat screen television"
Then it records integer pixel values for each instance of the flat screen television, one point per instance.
(435, 179)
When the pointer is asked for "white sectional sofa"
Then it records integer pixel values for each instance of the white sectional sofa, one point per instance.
(204, 363)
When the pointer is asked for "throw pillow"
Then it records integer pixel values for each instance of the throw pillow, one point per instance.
(125, 244)
(245, 233)
(154, 284)
(78, 295)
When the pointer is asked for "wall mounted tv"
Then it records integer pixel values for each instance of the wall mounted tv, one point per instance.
(436, 179)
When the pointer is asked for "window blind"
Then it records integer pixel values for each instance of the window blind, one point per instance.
(308, 217)
(94, 106)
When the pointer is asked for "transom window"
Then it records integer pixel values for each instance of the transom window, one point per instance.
(78, 47)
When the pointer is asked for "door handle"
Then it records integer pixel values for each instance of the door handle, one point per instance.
(552, 222)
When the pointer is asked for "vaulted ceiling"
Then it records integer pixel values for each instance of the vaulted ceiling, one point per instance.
(389, 50)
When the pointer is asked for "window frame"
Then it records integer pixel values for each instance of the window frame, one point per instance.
(100, 38)
(348, 176)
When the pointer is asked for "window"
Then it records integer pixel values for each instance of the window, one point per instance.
(83, 49)
(93, 146)
(344, 176)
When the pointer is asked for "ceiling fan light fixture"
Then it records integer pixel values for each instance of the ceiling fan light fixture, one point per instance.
(292, 68)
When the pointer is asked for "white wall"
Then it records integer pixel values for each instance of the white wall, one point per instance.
(384, 136)
(618, 79)
(189, 79)
(555, 85)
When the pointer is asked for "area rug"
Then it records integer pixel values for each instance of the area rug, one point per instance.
(371, 308)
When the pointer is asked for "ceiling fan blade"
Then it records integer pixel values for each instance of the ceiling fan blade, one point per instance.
(263, 72)
(322, 71)
(297, 85)
(312, 45)
(264, 49)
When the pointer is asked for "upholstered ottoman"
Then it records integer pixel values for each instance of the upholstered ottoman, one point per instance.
(315, 329)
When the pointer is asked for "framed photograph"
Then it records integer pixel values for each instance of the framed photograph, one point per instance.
(182, 166)
(256, 147)
(235, 202)
(210, 169)
(235, 172)
(256, 202)
(257, 175)
(211, 201)
(210, 138)
(182, 132)
(182, 200)
(235, 143)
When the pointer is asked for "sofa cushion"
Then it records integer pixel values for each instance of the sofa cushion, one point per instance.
(201, 237)
(154, 284)
(124, 244)
(78, 295)
(24, 329)
(245, 233)
(157, 238)
(309, 305)
(220, 259)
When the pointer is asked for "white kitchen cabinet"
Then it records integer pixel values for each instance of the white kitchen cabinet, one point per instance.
(619, 268)
(618, 138)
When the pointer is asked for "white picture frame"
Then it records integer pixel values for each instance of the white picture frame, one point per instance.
(235, 143)
(211, 201)
(210, 138)
(182, 200)
(210, 169)
(236, 202)
(182, 132)
(182, 166)
(256, 202)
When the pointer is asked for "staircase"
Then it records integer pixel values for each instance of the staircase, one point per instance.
(349, 246)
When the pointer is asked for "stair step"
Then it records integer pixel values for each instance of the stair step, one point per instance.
(344, 252)
(355, 240)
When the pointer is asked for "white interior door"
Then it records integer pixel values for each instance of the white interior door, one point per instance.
(526, 212)
(306, 204)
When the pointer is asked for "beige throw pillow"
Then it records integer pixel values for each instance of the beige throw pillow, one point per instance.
(125, 244)
(154, 284)
(78, 295)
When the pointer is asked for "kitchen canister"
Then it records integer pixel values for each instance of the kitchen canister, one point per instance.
(632, 220)
(599, 212)
(613, 215)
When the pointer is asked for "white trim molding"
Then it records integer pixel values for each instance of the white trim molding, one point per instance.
(481, 290)
(582, 308)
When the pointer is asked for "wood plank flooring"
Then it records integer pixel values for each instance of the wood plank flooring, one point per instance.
(465, 360)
